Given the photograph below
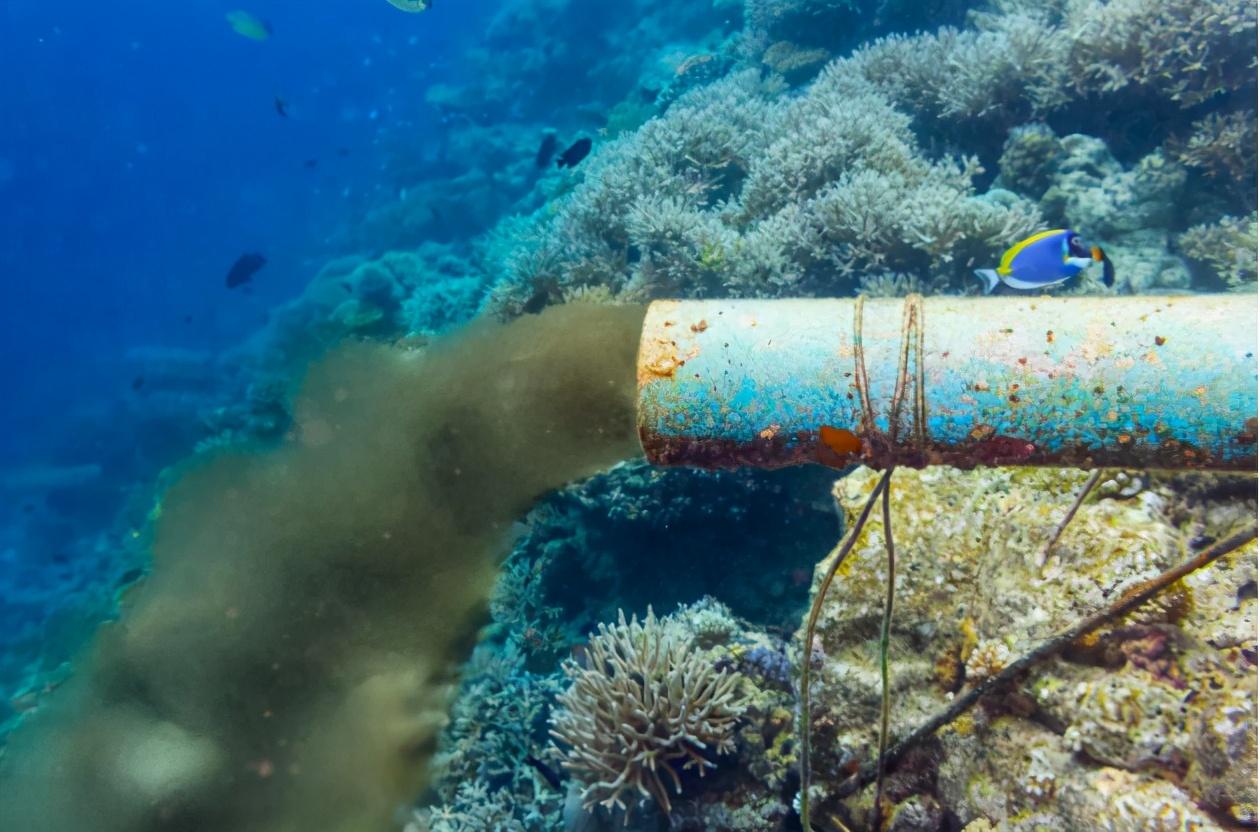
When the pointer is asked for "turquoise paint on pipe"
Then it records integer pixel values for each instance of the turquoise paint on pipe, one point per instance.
(1139, 382)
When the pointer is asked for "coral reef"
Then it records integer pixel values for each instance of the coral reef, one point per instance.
(1038, 56)
(734, 191)
(1078, 183)
(640, 706)
(1222, 146)
(1227, 248)
(738, 188)
(708, 533)
(748, 148)
(1150, 722)
(481, 775)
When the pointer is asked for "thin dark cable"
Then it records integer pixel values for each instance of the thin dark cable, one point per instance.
(885, 704)
(808, 647)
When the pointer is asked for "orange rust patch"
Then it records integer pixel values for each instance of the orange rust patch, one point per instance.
(1160, 340)
(982, 432)
(841, 441)
(837, 447)
(1049, 336)
(770, 432)
(658, 358)
(700, 326)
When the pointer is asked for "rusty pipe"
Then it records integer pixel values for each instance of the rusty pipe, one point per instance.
(1134, 382)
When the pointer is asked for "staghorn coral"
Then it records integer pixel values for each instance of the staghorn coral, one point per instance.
(733, 191)
(737, 188)
(476, 808)
(643, 703)
(1184, 51)
(1222, 146)
(481, 777)
(1035, 57)
(1004, 73)
(1227, 247)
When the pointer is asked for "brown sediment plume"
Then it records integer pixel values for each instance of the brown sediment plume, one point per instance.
(287, 664)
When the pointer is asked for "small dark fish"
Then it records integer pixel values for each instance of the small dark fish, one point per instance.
(137, 382)
(343, 152)
(188, 319)
(575, 153)
(345, 284)
(282, 107)
(311, 164)
(546, 150)
(548, 773)
(244, 269)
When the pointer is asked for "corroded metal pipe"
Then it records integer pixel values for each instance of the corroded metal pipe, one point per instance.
(1135, 382)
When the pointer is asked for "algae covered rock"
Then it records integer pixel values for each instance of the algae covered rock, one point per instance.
(1089, 740)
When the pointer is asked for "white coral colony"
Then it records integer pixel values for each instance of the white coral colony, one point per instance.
(643, 702)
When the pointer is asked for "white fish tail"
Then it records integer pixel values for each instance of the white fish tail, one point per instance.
(990, 278)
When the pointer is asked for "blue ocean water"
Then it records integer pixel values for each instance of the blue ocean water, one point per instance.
(399, 172)
(142, 154)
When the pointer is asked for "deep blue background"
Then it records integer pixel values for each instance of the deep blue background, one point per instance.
(140, 154)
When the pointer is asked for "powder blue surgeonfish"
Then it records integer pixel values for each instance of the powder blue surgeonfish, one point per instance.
(1046, 259)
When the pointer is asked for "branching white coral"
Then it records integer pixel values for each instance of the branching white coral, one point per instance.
(643, 703)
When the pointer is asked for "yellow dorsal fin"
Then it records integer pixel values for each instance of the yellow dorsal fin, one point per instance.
(1011, 253)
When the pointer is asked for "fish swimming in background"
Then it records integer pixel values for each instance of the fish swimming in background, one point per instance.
(244, 269)
(546, 150)
(575, 153)
(1046, 259)
(412, 5)
(282, 107)
(248, 26)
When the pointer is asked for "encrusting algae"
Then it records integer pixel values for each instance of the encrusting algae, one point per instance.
(1164, 701)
